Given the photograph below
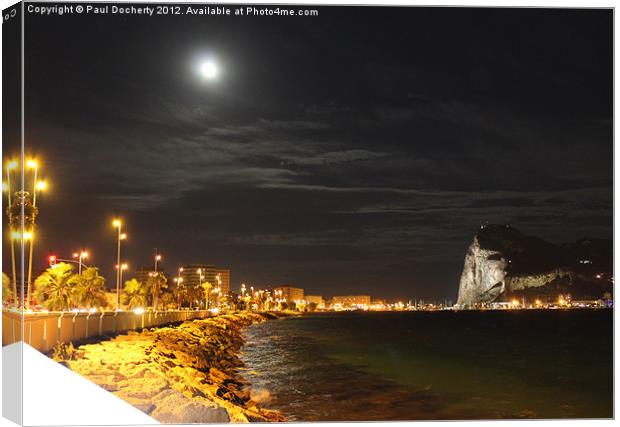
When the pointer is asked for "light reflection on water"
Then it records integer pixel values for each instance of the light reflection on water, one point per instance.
(442, 365)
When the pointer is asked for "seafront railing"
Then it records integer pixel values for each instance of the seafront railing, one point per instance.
(43, 330)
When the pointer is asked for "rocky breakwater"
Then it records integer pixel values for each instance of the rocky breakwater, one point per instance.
(502, 263)
(179, 374)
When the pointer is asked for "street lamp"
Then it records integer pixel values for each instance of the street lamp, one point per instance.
(157, 259)
(22, 213)
(80, 255)
(216, 292)
(120, 236)
(36, 186)
(207, 293)
(124, 267)
(10, 166)
(218, 277)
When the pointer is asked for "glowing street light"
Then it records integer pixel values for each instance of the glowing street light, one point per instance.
(80, 255)
(124, 267)
(157, 258)
(36, 187)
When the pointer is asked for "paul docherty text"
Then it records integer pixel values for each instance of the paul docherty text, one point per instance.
(90, 9)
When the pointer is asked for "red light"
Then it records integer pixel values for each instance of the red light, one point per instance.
(52, 259)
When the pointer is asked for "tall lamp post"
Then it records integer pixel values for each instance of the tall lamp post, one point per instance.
(36, 186)
(122, 268)
(157, 259)
(179, 280)
(120, 236)
(13, 234)
(219, 288)
(80, 255)
(22, 212)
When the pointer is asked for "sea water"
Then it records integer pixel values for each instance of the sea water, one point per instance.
(434, 365)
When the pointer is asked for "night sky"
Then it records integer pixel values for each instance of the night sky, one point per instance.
(354, 152)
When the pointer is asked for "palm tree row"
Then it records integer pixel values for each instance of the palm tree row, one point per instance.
(59, 288)
(151, 293)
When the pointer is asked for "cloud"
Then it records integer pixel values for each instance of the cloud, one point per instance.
(333, 157)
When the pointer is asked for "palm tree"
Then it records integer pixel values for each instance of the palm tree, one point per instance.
(134, 294)
(180, 294)
(52, 288)
(207, 288)
(156, 283)
(194, 293)
(88, 288)
(167, 300)
(7, 292)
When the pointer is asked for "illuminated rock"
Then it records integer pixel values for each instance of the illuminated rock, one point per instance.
(502, 263)
(483, 275)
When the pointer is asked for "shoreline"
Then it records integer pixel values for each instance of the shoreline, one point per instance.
(187, 373)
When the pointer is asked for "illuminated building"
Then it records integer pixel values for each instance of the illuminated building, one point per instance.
(290, 293)
(317, 299)
(347, 301)
(191, 276)
(224, 283)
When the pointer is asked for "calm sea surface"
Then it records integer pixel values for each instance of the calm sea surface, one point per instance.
(436, 365)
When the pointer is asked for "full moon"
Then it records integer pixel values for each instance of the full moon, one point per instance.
(208, 70)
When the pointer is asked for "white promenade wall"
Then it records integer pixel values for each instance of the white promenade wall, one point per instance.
(42, 330)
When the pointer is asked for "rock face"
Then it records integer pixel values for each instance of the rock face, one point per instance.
(502, 262)
(483, 275)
